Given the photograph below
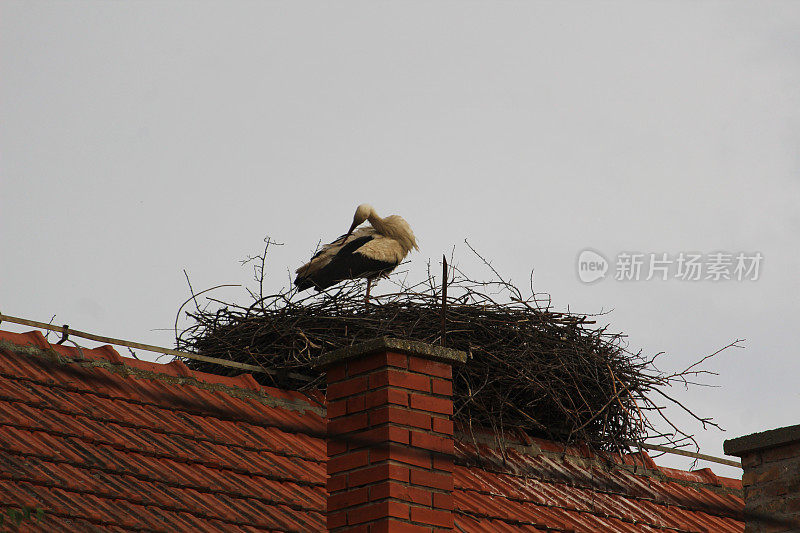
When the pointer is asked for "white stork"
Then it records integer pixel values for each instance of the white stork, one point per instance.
(369, 252)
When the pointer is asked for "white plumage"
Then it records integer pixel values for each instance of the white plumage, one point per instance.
(369, 252)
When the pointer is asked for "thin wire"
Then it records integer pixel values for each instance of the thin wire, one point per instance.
(150, 347)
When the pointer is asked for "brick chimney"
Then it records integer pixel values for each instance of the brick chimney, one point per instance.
(771, 479)
(390, 437)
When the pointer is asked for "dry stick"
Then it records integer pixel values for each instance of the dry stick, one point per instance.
(703, 421)
(194, 297)
(734, 344)
(617, 396)
(148, 347)
(191, 290)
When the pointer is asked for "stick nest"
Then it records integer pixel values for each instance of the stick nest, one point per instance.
(552, 375)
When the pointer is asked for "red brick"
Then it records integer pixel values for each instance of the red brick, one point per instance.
(399, 415)
(434, 517)
(431, 368)
(375, 361)
(443, 462)
(378, 510)
(390, 525)
(401, 454)
(397, 510)
(336, 446)
(397, 378)
(751, 459)
(336, 373)
(336, 482)
(413, 494)
(380, 415)
(776, 488)
(765, 474)
(432, 404)
(386, 395)
(377, 473)
(443, 500)
(381, 491)
(362, 528)
(349, 498)
(381, 434)
(397, 359)
(349, 387)
(430, 441)
(415, 419)
(355, 404)
(348, 423)
(442, 386)
(442, 425)
(337, 408)
(337, 519)
(781, 452)
(348, 461)
(434, 480)
(400, 491)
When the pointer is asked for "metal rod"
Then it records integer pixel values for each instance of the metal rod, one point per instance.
(149, 347)
(685, 453)
(444, 301)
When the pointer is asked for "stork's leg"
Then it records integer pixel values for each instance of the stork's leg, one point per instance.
(366, 296)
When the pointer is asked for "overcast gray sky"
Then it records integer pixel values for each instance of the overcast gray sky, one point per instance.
(142, 138)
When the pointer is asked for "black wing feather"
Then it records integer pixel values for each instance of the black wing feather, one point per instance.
(322, 249)
(346, 264)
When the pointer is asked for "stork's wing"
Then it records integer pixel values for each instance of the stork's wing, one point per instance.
(345, 263)
(326, 253)
(333, 244)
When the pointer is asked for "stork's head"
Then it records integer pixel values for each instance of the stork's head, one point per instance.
(362, 214)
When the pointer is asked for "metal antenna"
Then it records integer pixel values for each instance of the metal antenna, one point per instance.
(444, 301)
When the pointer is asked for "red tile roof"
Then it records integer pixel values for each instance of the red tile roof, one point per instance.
(142, 446)
(104, 442)
(541, 486)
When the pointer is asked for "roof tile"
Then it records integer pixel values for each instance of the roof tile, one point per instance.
(132, 446)
(567, 490)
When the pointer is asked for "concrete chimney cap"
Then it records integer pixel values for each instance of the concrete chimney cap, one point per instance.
(765, 439)
(389, 344)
